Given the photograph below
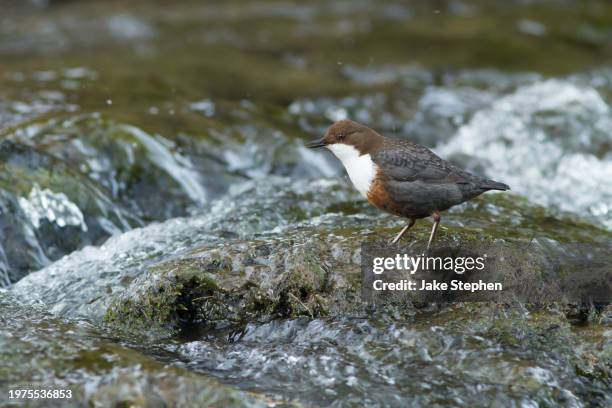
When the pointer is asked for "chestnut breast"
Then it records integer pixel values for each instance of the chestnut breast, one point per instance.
(379, 196)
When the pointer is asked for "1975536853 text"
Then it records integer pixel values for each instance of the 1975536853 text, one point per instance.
(33, 394)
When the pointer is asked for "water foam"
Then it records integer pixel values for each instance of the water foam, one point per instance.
(543, 140)
(54, 207)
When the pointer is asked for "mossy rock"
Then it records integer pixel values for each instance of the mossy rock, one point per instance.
(316, 270)
(254, 258)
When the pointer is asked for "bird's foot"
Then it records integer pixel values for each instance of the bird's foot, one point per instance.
(402, 232)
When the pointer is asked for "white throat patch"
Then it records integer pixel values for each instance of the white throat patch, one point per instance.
(360, 168)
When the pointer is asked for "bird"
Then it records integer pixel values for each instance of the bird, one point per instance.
(401, 177)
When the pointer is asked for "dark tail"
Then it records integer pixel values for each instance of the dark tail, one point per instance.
(493, 185)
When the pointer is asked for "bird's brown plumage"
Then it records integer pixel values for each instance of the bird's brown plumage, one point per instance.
(410, 181)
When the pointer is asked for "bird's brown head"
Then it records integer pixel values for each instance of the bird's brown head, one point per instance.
(350, 133)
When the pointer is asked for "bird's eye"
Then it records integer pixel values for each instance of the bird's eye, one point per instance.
(341, 136)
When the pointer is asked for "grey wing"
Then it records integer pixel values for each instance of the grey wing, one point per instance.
(422, 182)
(409, 162)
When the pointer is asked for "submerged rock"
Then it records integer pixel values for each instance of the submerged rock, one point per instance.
(467, 355)
(49, 210)
(74, 357)
(131, 165)
(74, 181)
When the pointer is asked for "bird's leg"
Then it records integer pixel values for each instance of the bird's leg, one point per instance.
(403, 231)
(436, 218)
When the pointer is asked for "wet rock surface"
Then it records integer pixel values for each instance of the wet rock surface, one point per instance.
(268, 251)
(314, 269)
(281, 292)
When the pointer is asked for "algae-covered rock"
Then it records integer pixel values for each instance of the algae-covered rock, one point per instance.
(242, 281)
(74, 357)
(250, 209)
(306, 272)
(285, 249)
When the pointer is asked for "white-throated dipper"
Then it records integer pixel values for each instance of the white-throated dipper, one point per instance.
(401, 177)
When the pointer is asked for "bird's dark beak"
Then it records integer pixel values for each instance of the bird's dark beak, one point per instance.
(315, 144)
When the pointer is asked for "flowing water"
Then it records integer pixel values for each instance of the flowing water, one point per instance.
(145, 137)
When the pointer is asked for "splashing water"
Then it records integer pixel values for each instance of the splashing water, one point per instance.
(176, 165)
(252, 207)
(365, 362)
(544, 140)
(54, 207)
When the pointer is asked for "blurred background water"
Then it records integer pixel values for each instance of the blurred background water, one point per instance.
(117, 116)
